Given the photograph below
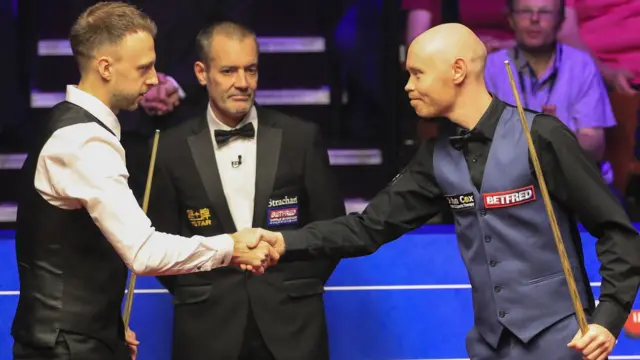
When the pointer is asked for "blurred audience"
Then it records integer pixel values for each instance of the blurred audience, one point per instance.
(358, 42)
(552, 77)
(486, 18)
(608, 29)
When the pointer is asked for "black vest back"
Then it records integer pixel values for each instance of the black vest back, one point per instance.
(71, 278)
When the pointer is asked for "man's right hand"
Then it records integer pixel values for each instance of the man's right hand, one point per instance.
(618, 79)
(256, 249)
(132, 343)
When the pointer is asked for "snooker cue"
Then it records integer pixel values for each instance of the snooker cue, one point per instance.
(145, 206)
(566, 267)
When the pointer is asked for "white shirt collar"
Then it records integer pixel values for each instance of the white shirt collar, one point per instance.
(215, 124)
(95, 107)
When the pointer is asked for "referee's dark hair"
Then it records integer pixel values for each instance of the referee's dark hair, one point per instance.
(510, 7)
(226, 28)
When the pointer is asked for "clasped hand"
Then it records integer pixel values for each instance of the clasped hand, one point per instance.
(257, 249)
(162, 98)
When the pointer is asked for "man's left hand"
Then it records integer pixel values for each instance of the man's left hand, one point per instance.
(162, 98)
(596, 344)
(132, 342)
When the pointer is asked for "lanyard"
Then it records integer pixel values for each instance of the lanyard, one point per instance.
(552, 80)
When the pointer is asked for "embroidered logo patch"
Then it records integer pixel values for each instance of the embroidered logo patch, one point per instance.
(282, 216)
(282, 211)
(462, 201)
(200, 217)
(509, 198)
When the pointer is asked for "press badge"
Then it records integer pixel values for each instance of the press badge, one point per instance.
(282, 211)
(461, 202)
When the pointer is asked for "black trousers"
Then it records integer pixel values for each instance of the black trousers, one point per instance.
(70, 346)
(253, 346)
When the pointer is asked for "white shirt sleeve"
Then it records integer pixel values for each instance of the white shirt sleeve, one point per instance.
(84, 166)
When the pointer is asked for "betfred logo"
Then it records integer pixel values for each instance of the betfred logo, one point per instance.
(282, 216)
(632, 326)
(509, 197)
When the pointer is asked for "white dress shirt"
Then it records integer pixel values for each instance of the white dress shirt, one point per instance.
(83, 165)
(239, 178)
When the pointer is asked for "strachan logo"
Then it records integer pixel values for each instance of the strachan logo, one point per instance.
(284, 201)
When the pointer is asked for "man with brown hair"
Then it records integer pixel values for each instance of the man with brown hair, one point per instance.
(73, 262)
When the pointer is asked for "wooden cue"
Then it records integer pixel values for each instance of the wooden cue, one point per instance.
(571, 281)
(145, 206)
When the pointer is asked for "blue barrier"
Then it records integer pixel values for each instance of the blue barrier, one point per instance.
(410, 300)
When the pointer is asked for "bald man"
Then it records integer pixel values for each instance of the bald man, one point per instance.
(523, 309)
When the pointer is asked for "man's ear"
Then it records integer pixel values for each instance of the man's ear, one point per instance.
(105, 67)
(200, 69)
(459, 70)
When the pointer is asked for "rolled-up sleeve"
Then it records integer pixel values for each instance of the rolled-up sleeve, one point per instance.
(592, 108)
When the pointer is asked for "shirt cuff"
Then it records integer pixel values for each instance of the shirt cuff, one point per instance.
(222, 246)
(181, 92)
(610, 316)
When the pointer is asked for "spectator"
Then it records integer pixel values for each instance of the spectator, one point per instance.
(552, 77)
(608, 29)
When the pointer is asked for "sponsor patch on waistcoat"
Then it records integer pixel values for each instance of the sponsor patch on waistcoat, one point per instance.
(461, 202)
(509, 198)
(282, 211)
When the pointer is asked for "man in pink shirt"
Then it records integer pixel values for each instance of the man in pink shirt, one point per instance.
(609, 30)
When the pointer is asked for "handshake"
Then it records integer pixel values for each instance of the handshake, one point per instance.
(162, 98)
(256, 249)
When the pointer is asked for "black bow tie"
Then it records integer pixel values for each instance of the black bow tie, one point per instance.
(223, 136)
(460, 141)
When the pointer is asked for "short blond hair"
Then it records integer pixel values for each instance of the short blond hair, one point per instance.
(106, 23)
